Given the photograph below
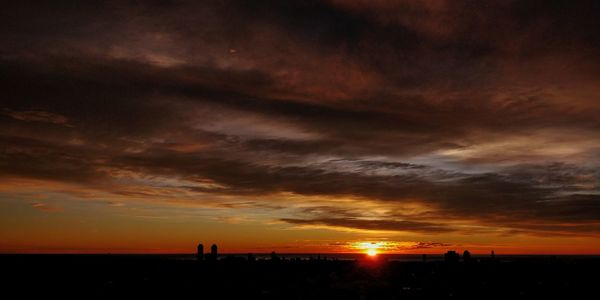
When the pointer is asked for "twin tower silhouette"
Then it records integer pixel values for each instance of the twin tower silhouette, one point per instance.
(212, 256)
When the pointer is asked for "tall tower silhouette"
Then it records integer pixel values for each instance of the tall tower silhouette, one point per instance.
(200, 252)
(213, 252)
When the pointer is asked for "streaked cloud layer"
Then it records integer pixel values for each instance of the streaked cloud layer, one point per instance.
(426, 124)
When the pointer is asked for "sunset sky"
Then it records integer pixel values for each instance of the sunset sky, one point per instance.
(300, 126)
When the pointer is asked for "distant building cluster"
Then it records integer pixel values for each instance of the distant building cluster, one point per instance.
(454, 257)
(212, 256)
(450, 257)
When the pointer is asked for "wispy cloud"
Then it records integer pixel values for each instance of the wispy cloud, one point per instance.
(46, 207)
(37, 116)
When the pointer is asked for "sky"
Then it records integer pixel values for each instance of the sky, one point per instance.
(300, 126)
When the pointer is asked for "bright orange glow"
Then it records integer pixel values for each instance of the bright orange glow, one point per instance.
(370, 248)
(34, 226)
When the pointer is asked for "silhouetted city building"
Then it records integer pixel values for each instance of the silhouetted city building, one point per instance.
(493, 254)
(451, 257)
(424, 258)
(213, 251)
(251, 257)
(467, 256)
(200, 252)
(212, 256)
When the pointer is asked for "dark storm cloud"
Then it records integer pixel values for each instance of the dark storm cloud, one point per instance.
(485, 112)
(498, 199)
(37, 159)
(133, 89)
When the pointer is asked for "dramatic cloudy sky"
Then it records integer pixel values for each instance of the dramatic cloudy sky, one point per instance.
(300, 126)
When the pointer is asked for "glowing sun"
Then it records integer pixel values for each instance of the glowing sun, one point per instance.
(371, 249)
(371, 252)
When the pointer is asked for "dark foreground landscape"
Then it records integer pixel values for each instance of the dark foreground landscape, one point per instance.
(288, 278)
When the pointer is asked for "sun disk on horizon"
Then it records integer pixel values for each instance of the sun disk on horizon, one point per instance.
(369, 248)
